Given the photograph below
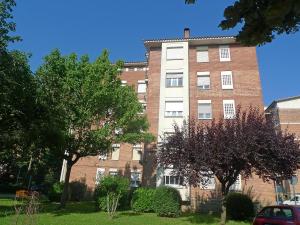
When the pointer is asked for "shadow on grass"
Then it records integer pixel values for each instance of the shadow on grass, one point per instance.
(197, 218)
(6, 211)
(128, 213)
(71, 207)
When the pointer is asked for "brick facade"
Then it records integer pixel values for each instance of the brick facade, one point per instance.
(246, 91)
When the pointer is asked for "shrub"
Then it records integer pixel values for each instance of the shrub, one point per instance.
(239, 206)
(55, 192)
(166, 202)
(77, 190)
(142, 200)
(112, 187)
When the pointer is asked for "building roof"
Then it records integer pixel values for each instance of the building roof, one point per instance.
(281, 100)
(192, 40)
(137, 64)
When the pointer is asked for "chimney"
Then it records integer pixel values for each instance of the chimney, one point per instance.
(186, 33)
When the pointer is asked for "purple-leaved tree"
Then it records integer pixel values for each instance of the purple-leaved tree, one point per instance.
(226, 148)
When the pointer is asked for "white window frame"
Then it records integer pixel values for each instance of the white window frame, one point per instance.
(205, 102)
(200, 50)
(99, 171)
(227, 74)
(237, 186)
(115, 154)
(144, 106)
(173, 113)
(203, 74)
(142, 89)
(174, 177)
(138, 148)
(227, 116)
(133, 181)
(113, 172)
(222, 59)
(123, 83)
(210, 184)
(175, 56)
(176, 78)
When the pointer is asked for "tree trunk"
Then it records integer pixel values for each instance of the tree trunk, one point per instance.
(65, 194)
(223, 204)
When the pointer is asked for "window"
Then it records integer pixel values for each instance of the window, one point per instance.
(142, 86)
(173, 180)
(237, 186)
(113, 172)
(144, 106)
(226, 80)
(283, 213)
(174, 109)
(137, 152)
(135, 179)
(203, 80)
(224, 52)
(123, 83)
(204, 109)
(229, 109)
(115, 152)
(103, 156)
(202, 54)
(209, 184)
(174, 79)
(175, 53)
(267, 212)
(99, 174)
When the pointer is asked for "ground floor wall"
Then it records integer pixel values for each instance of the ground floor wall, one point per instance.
(200, 199)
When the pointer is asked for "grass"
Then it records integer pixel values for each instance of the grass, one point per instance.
(84, 213)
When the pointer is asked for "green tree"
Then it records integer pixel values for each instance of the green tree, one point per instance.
(6, 25)
(261, 19)
(89, 106)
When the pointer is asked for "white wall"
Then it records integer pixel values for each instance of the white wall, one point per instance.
(173, 94)
(289, 104)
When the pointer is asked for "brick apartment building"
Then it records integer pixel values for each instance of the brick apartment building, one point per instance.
(285, 115)
(188, 77)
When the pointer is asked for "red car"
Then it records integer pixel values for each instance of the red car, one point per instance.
(278, 215)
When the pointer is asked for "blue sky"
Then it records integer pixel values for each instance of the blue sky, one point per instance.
(88, 27)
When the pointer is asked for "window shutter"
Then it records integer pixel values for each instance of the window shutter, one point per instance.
(174, 53)
(174, 106)
(115, 152)
(202, 54)
(204, 109)
(142, 86)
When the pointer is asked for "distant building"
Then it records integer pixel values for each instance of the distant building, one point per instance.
(189, 77)
(285, 115)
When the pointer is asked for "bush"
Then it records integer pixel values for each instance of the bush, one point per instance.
(166, 202)
(55, 192)
(112, 184)
(77, 190)
(239, 206)
(142, 200)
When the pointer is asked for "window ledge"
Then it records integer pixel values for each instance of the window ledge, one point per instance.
(200, 89)
(204, 118)
(175, 86)
(173, 116)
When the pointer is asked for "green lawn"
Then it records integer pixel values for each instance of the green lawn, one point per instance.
(84, 214)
